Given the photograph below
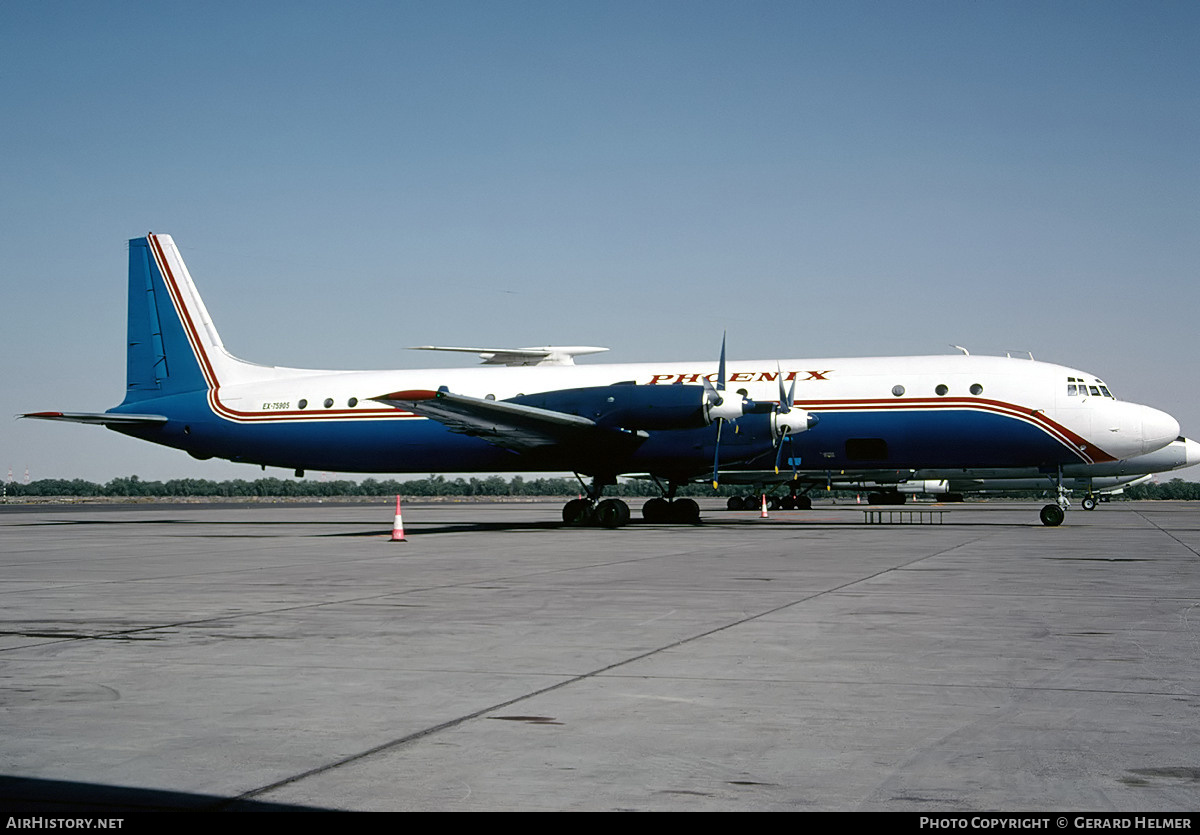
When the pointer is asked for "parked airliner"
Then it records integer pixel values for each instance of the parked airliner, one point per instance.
(534, 409)
(894, 486)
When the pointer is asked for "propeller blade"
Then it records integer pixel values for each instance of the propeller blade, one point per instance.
(721, 367)
(711, 394)
(717, 455)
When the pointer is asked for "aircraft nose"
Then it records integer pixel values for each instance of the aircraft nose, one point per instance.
(1160, 429)
(1191, 452)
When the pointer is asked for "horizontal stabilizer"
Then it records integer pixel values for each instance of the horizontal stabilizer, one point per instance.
(102, 418)
(544, 355)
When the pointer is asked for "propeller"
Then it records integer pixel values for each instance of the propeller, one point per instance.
(786, 399)
(789, 420)
(717, 410)
(720, 407)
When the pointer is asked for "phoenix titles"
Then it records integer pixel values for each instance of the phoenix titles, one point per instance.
(742, 377)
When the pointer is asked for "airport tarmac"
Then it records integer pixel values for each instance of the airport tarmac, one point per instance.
(289, 655)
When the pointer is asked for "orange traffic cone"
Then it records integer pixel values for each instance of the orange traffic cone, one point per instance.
(763, 515)
(398, 525)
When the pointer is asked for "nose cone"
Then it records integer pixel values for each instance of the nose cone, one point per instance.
(1191, 452)
(1159, 429)
(1127, 430)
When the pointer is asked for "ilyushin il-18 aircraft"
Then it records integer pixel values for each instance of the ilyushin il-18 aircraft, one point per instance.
(801, 421)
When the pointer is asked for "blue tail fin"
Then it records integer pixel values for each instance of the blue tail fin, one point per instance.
(172, 346)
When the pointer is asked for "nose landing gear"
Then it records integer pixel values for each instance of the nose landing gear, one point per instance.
(1053, 514)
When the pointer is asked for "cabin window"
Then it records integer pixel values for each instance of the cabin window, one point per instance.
(898, 390)
(303, 404)
(942, 389)
(1093, 391)
(1071, 390)
(976, 389)
(352, 402)
(866, 449)
(328, 402)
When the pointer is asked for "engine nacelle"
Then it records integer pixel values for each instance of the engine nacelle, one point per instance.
(797, 420)
(628, 406)
(927, 485)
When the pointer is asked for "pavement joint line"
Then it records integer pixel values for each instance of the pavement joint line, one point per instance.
(455, 722)
(1165, 531)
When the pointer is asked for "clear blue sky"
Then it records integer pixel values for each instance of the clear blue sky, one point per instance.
(821, 179)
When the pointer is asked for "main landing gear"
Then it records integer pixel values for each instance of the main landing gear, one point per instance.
(791, 501)
(681, 511)
(593, 510)
(609, 513)
(667, 508)
(614, 513)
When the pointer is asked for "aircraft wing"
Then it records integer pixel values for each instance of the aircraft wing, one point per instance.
(513, 426)
(815, 476)
(102, 418)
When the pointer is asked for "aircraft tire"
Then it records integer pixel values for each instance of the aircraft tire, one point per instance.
(656, 510)
(1052, 516)
(885, 498)
(735, 503)
(577, 512)
(803, 503)
(1088, 503)
(612, 513)
(685, 511)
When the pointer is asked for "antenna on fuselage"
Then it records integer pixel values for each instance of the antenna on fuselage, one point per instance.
(966, 353)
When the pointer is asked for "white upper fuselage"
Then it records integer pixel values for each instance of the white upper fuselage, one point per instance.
(1102, 427)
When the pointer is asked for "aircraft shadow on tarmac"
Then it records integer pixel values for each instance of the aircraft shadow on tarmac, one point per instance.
(25, 796)
(712, 521)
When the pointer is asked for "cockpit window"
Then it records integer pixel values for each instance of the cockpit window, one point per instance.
(1076, 387)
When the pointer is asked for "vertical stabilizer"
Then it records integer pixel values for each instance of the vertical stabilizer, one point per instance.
(173, 346)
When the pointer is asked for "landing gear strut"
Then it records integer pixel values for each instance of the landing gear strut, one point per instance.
(1053, 514)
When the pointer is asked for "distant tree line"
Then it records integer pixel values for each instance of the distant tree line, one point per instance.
(434, 485)
(1176, 488)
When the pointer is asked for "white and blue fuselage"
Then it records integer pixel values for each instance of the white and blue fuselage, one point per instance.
(185, 390)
